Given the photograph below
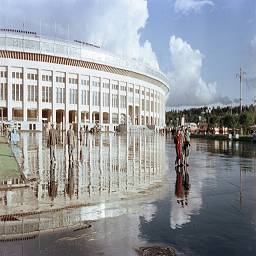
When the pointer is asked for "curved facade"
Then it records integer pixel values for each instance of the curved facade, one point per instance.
(44, 80)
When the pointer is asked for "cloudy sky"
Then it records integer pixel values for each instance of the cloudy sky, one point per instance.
(199, 44)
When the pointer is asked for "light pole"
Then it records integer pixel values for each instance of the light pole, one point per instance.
(240, 76)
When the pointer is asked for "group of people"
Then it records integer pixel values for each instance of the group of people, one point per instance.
(70, 141)
(182, 146)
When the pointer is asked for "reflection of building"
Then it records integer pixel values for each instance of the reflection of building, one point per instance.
(112, 165)
(70, 82)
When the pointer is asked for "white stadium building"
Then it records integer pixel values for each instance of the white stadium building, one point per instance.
(45, 81)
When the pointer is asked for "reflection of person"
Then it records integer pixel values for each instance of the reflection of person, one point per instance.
(70, 142)
(179, 191)
(70, 186)
(186, 184)
(81, 136)
(52, 184)
(81, 155)
(52, 141)
(182, 185)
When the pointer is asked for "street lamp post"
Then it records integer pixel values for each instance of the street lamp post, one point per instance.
(240, 75)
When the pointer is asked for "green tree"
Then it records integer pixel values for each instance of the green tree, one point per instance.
(230, 121)
(214, 121)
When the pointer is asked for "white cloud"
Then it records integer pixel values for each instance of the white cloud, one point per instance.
(189, 88)
(113, 24)
(186, 6)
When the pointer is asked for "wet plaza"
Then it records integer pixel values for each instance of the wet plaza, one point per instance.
(123, 192)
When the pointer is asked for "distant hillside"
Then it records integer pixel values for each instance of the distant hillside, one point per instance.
(215, 117)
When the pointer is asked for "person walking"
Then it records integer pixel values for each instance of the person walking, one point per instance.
(52, 142)
(186, 146)
(70, 143)
(178, 147)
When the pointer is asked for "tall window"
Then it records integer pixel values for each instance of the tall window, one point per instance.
(3, 74)
(60, 95)
(32, 92)
(46, 94)
(122, 101)
(114, 100)
(3, 91)
(105, 99)
(73, 96)
(95, 98)
(17, 92)
(84, 97)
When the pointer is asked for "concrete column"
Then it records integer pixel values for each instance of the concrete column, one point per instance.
(39, 100)
(110, 102)
(149, 118)
(101, 102)
(145, 105)
(53, 98)
(140, 106)
(78, 103)
(90, 99)
(118, 99)
(154, 108)
(9, 93)
(25, 98)
(66, 102)
(133, 112)
(127, 105)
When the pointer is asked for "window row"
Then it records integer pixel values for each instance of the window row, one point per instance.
(17, 75)
(115, 86)
(105, 85)
(60, 79)
(32, 76)
(95, 84)
(3, 74)
(47, 78)
(85, 82)
(72, 80)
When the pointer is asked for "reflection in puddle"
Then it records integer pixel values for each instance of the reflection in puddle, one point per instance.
(107, 166)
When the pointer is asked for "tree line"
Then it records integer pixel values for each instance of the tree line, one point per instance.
(215, 117)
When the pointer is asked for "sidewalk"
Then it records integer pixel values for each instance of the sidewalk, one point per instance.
(9, 168)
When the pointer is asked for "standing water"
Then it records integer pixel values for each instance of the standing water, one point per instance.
(123, 192)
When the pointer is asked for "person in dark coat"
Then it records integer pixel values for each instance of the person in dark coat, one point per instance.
(52, 142)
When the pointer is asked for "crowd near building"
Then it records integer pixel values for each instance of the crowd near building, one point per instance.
(45, 81)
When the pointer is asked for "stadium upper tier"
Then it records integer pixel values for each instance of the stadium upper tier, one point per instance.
(22, 41)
